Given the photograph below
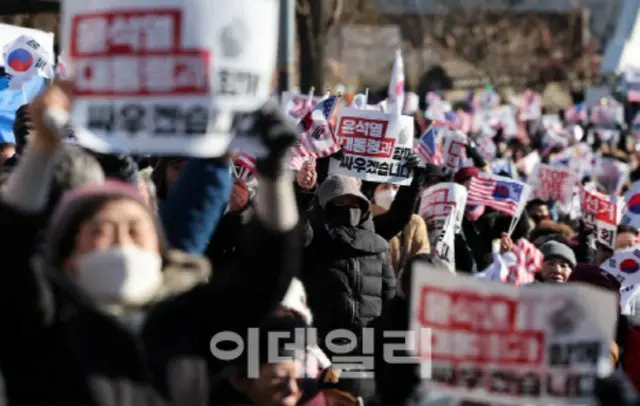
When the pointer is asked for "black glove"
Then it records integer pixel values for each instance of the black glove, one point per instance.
(419, 169)
(616, 390)
(121, 167)
(337, 155)
(278, 135)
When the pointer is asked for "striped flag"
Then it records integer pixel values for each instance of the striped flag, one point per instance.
(316, 133)
(528, 262)
(427, 147)
(501, 193)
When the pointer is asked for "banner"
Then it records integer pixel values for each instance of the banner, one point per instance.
(454, 149)
(601, 213)
(375, 146)
(437, 203)
(552, 183)
(487, 341)
(611, 174)
(166, 77)
(504, 116)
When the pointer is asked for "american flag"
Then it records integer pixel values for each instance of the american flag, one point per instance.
(316, 133)
(575, 114)
(528, 262)
(501, 193)
(427, 147)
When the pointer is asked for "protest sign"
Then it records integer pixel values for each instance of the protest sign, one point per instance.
(437, 109)
(496, 342)
(611, 174)
(530, 105)
(166, 76)
(624, 265)
(454, 149)
(444, 246)
(552, 183)
(504, 116)
(601, 213)
(440, 201)
(375, 146)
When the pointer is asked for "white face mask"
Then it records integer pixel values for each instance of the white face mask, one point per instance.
(385, 198)
(123, 275)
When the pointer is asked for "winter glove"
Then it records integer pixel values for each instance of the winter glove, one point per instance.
(121, 167)
(419, 169)
(616, 390)
(338, 155)
(277, 135)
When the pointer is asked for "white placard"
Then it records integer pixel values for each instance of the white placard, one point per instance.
(166, 76)
(375, 146)
(496, 342)
(437, 203)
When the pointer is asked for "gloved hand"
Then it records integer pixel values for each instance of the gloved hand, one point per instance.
(419, 169)
(338, 155)
(278, 135)
(616, 390)
(121, 167)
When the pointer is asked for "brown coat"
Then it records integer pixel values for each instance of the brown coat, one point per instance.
(411, 241)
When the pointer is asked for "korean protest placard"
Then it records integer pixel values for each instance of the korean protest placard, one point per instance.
(375, 146)
(601, 213)
(553, 183)
(439, 202)
(166, 76)
(487, 341)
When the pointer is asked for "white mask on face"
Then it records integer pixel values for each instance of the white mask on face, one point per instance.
(385, 198)
(123, 275)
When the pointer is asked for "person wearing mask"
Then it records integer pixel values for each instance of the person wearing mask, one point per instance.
(412, 240)
(558, 263)
(347, 271)
(108, 314)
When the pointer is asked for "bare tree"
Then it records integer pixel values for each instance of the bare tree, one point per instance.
(314, 19)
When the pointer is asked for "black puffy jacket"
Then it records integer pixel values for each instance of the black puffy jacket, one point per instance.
(347, 273)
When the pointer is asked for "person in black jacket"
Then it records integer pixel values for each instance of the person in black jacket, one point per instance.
(347, 271)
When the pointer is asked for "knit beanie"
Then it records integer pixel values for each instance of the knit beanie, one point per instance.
(555, 249)
(76, 207)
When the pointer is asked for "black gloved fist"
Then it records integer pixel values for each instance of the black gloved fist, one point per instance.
(419, 168)
(338, 155)
(121, 167)
(278, 135)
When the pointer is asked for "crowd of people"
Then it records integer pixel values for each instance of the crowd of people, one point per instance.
(122, 274)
